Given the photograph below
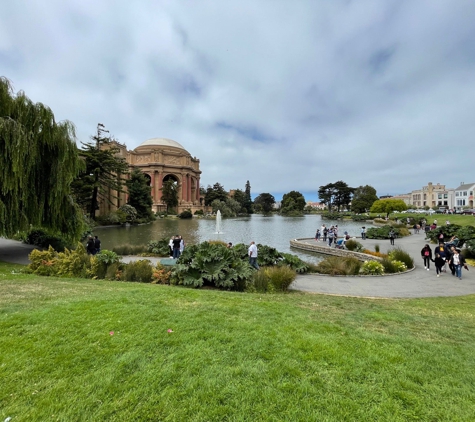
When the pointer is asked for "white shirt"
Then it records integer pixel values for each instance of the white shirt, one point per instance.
(252, 251)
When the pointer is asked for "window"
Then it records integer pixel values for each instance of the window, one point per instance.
(446, 196)
(439, 196)
(456, 194)
(465, 193)
(471, 193)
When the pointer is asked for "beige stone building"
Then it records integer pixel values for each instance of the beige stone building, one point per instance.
(433, 195)
(162, 159)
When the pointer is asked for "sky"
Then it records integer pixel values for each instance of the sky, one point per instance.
(290, 95)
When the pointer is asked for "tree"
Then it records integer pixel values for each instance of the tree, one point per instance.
(228, 208)
(103, 174)
(140, 196)
(38, 161)
(335, 194)
(215, 192)
(170, 193)
(293, 203)
(387, 206)
(248, 199)
(363, 199)
(264, 203)
(240, 197)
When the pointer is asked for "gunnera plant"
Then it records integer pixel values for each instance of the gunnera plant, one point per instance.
(398, 254)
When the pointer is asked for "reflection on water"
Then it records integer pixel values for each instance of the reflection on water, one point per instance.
(274, 231)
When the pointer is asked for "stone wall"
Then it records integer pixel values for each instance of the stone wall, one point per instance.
(303, 245)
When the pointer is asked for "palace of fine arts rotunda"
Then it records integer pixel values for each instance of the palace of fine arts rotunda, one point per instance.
(161, 159)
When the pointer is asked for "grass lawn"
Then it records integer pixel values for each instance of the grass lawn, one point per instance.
(87, 350)
(462, 220)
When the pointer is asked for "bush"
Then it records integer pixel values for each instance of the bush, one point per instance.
(160, 275)
(140, 271)
(372, 268)
(199, 212)
(280, 277)
(383, 232)
(294, 263)
(113, 218)
(353, 245)
(159, 247)
(130, 213)
(185, 214)
(335, 265)
(377, 248)
(391, 267)
(74, 263)
(398, 254)
(44, 239)
(260, 283)
(101, 262)
(128, 249)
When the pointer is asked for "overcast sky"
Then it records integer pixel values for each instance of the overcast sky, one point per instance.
(289, 95)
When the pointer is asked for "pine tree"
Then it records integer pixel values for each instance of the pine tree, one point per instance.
(170, 193)
(248, 200)
(140, 196)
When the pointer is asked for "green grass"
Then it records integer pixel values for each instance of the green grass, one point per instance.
(230, 357)
(462, 220)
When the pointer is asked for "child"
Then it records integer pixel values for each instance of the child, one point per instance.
(317, 235)
(439, 263)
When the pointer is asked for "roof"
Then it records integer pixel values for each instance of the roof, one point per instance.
(465, 186)
(161, 142)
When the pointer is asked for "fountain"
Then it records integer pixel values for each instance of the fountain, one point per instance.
(218, 223)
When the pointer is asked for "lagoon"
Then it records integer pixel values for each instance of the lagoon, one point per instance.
(274, 230)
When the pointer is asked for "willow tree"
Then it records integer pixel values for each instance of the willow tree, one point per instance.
(38, 161)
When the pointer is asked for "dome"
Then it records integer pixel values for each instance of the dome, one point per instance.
(161, 142)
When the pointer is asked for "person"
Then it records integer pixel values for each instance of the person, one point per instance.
(91, 250)
(170, 246)
(330, 237)
(439, 263)
(252, 251)
(325, 233)
(97, 245)
(176, 247)
(335, 233)
(426, 254)
(392, 235)
(458, 261)
(441, 237)
(363, 233)
(229, 245)
(435, 223)
(443, 252)
(347, 236)
(317, 235)
(447, 223)
(182, 245)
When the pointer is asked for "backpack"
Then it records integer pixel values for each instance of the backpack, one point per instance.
(426, 253)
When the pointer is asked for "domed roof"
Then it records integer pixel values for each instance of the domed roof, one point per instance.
(161, 142)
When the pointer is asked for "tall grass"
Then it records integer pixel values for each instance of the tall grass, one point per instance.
(127, 249)
(398, 254)
(336, 265)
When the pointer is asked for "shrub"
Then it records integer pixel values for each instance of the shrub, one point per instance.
(398, 254)
(280, 277)
(140, 271)
(74, 263)
(101, 262)
(199, 212)
(115, 271)
(159, 247)
(128, 249)
(400, 266)
(113, 218)
(185, 214)
(377, 248)
(44, 239)
(383, 232)
(335, 265)
(160, 275)
(353, 245)
(389, 267)
(260, 283)
(294, 263)
(130, 213)
(372, 268)
(374, 253)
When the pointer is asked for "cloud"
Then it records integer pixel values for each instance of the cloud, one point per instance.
(289, 96)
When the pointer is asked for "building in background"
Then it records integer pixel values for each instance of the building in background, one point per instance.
(464, 196)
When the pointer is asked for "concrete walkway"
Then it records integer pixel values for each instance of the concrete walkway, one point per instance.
(417, 283)
(414, 284)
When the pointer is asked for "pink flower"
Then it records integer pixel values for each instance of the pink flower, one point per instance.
(111, 333)
(169, 330)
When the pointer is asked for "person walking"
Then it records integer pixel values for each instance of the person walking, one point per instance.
(97, 245)
(252, 252)
(330, 237)
(439, 264)
(325, 233)
(392, 235)
(426, 254)
(363, 233)
(458, 261)
(317, 235)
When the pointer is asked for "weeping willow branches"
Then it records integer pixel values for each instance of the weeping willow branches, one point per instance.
(38, 161)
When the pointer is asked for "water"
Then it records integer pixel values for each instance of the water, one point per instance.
(275, 231)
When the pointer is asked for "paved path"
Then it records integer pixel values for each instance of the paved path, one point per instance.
(418, 283)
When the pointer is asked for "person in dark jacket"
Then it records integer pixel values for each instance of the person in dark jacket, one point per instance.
(458, 262)
(97, 245)
(426, 254)
(90, 248)
(439, 264)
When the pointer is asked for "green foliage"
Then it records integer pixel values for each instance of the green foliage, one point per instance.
(387, 206)
(130, 213)
(215, 192)
(247, 198)
(38, 161)
(353, 245)
(159, 247)
(140, 271)
(391, 266)
(199, 212)
(185, 214)
(211, 264)
(267, 255)
(114, 218)
(293, 204)
(127, 249)
(140, 197)
(107, 257)
(170, 193)
(398, 254)
(294, 263)
(336, 194)
(264, 203)
(363, 198)
(44, 239)
(160, 274)
(383, 232)
(229, 207)
(336, 265)
(377, 248)
(103, 173)
(372, 268)
(272, 279)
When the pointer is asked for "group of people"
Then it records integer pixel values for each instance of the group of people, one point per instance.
(93, 245)
(330, 235)
(176, 245)
(444, 254)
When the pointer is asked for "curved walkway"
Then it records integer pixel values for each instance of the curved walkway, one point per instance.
(414, 284)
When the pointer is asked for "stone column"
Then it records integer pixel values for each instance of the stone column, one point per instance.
(189, 188)
(159, 186)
